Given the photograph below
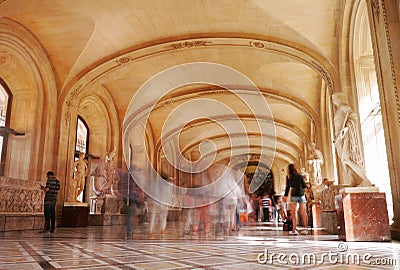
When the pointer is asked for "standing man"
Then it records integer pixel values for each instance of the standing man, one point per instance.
(266, 205)
(50, 199)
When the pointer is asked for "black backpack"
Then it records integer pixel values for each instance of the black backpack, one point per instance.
(288, 225)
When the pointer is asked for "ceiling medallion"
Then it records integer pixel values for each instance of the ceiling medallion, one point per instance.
(124, 60)
(257, 44)
(4, 57)
(188, 44)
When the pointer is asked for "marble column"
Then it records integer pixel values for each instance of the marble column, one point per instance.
(385, 33)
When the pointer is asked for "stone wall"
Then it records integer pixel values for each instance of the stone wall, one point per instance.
(20, 196)
(21, 204)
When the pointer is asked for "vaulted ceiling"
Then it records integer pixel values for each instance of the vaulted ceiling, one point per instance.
(197, 61)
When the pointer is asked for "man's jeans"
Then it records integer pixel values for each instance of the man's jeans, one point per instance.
(50, 215)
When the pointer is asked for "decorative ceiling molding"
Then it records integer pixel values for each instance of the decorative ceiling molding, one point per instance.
(179, 96)
(304, 55)
(266, 159)
(203, 122)
(289, 144)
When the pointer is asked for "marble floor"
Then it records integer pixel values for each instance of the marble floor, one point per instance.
(254, 246)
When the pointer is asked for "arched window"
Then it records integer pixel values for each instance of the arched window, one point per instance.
(81, 146)
(5, 107)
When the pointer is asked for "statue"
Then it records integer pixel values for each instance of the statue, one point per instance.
(328, 195)
(308, 192)
(110, 172)
(347, 143)
(104, 179)
(315, 161)
(98, 181)
(78, 182)
(305, 174)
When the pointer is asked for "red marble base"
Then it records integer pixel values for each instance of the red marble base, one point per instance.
(316, 215)
(362, 216)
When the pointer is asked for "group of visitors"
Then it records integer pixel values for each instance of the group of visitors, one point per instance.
(268, 208)
(284, 208)
(220, 213)
(217, 215)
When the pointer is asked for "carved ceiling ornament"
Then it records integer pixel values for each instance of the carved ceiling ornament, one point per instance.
(189, 44)
(376, 8)
(70, 104)
(124, 60)
(4, 58)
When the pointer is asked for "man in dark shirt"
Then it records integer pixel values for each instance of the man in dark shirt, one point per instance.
(50, 200)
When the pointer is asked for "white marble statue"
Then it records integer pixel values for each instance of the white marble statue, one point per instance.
(347, 143)
(314, 162)
(305, 174)
(103, 178)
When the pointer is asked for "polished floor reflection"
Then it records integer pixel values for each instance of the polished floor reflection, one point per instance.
(255, 246)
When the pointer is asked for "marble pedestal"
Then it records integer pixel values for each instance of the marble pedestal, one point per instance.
(316, 215)
(107, 219)
(362, 216)
(21, 221)
(107, 210)
(329, 221)
(75, 214)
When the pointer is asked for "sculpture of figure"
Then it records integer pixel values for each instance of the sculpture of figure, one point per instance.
(110, 173)
(328, 195)
(347, 143)
(81, 167)
(98, 181)
(104, 178)
(315, 161)
(305, 174)
(308, 191)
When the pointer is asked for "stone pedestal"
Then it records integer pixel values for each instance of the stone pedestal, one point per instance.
(112, 205)
(362, 216)
(75, 215)
(107, 219)
(107, 210)
(316, 215)
(21, 221)
(329, 221)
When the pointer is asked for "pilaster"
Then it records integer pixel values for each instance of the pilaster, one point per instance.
(385, 32)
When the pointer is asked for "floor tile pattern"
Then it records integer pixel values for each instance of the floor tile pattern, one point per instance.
(255, 246)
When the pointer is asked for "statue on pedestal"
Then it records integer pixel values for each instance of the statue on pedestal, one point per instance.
(315, 161)
(305, 174)
(347, 143)
(328, 195)
(103, 179)
(77, 183)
